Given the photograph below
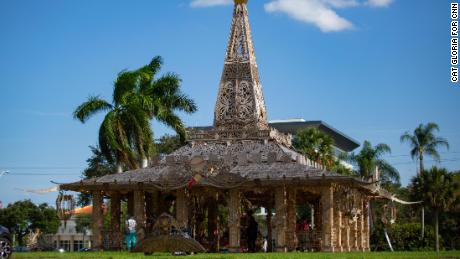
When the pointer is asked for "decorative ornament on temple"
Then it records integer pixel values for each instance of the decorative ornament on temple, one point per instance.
(389, 214)
(65, 205)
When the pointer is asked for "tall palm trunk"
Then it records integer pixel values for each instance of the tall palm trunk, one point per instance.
(119, 168)
(422, 168)
(144, 162)
(436, 228)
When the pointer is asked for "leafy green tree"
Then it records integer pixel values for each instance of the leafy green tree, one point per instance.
(168, 144)
(125, 135)
(316, 145)
(98, 166)
(370, 157)
(450, 227)
(436, 188)
(22, 217)
(340, 168)
(424, 141)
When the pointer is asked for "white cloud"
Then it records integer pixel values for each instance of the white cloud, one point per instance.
(341, 3)
(320, 13)
(317, 12)
(209, 3)
(379, 3)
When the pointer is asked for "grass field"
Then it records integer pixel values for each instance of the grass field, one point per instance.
(122, 255)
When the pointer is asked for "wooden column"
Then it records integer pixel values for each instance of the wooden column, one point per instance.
(139, 213)
(338, 229)
(361, 235)
(234, 213)
(315, 241)
(312, 216)
(345, 234)
(269, 229)
(354, 236)
(366, 226)
(212, 224)
(291, 239)
(327, 204)
(97, 219)
(181, 208)
(280, 218)
(347, 245)
(115, 224)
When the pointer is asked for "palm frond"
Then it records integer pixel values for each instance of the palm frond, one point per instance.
(124, 85)
(173, 121)
(93, 105)
(155, 65)
(431, 127)
(165, 86)
(438, 142)
(431, 151)
(182, 102)
(107, 137)
(382, 149)
(389, 171)
(411, 139)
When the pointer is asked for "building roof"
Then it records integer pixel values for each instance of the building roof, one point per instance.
(341, 140)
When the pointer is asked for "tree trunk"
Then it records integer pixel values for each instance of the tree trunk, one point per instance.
(422, 168)
(436, 228)
(423, 222)
(144, 162)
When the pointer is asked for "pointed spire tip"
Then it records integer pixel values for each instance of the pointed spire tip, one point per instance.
(240, 1)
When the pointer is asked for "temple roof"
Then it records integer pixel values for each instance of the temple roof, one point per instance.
(223, 166)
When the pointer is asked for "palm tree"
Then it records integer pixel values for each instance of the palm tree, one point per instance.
(316, 145)
(436, 188)
(125, 135)
(161, 97)
(424, 141)
(369, 158)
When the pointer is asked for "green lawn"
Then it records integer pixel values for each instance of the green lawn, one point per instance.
(120, 255)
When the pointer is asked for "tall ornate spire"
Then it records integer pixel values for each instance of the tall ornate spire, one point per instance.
(240, 103)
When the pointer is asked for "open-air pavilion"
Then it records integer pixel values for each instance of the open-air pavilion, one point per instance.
(241, 163)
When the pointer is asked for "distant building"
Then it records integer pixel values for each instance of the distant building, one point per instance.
(67, 237)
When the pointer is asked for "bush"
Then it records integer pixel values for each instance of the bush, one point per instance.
(406, 237)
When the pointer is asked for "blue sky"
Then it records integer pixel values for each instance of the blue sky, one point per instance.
(372, 69)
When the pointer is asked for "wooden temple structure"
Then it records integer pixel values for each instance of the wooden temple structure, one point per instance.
(239, 164)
